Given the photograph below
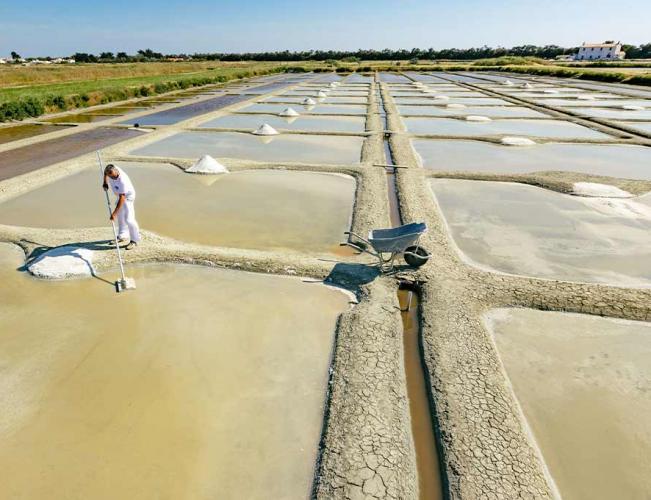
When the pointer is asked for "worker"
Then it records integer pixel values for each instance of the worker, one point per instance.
(124, 211)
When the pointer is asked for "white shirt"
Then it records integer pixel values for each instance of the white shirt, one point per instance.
(122, 185)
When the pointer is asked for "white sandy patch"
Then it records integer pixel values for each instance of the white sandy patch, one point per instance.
(63, 263)
(597, 190)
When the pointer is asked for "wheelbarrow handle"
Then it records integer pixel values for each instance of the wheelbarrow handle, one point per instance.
(348, 233)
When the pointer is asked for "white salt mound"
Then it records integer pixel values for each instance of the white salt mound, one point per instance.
(207, 165)
(288, 112)
(631, 107)
(585, 98)
(441, 97)
(455, 106)
(527, 86)
(321, 94)
(308, 101)
(477, 118)
(63, 263)
(517, 141)
(265, 129)
(594, 189)
(508, 83)
(550, 91)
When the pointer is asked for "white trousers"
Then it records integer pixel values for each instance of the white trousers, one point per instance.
(127, 224)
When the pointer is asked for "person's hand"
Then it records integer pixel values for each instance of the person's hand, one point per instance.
(113, 216)
(105, 186)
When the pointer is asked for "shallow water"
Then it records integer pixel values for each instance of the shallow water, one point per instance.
(590, 104)
(631, 162)
(17, 132)
(393, 78)
(264, 209)
(202, 383)
(616, 114)
(80, 118)
(490, 111)
(28, 158)
(309, 123)
(520, 229)
(285, 147)
(319, 108)
(643, 126)
(468, 101)
(584, 384)
(535, 128)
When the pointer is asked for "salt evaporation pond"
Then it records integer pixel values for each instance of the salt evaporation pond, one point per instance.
(490, 111)
(202, 383)
(584, 384)
(308, 123)
(642, 126)
(17, 132)
(286, 147)
(318, 108)
(615, 160)
(525, 230)
(468, 101)
(258, 209)
(557, 129)
(616, 114)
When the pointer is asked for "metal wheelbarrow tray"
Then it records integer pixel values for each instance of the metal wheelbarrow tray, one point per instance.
(387, 244)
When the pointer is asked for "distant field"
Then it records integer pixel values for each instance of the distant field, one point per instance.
(24, 93)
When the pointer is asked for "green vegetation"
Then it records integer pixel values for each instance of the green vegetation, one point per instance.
(510, 61)
(17, 103)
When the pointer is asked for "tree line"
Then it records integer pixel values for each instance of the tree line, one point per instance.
(544, 52)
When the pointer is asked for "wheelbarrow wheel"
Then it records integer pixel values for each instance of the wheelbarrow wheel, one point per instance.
(416, 256)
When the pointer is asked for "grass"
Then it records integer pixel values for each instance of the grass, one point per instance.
(21, 101)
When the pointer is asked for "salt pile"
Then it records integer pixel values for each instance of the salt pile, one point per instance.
(527, 86)
(441, 97)
(631, 107)
(517, 141)
(308, 101)
(455, 106)
(550, 91)
(63, 263)
(477, 118)
(585, 98)
(290, 112)
(594, 189)
(321, 94)
(265, 129)
(508, 83)
(207, 165)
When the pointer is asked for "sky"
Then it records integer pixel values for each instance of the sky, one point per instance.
(57, 28)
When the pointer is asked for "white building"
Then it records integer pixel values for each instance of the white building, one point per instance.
(608, 51)
(3, 61)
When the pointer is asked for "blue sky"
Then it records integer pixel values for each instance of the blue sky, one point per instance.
(53, 27)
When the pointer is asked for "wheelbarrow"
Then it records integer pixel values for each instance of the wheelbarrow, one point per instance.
(387, 244)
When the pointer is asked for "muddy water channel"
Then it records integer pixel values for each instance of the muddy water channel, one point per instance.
(584, 384)
(263, 209)
(522, 229)
(202, 383)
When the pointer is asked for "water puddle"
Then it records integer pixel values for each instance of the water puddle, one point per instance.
(309, 123)
(17, 132)
(525, 230)
(202, 383)
(288, 148)
(28, 158)
(630, 162)
(558, 129)
(583, 383)
(258, 209)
